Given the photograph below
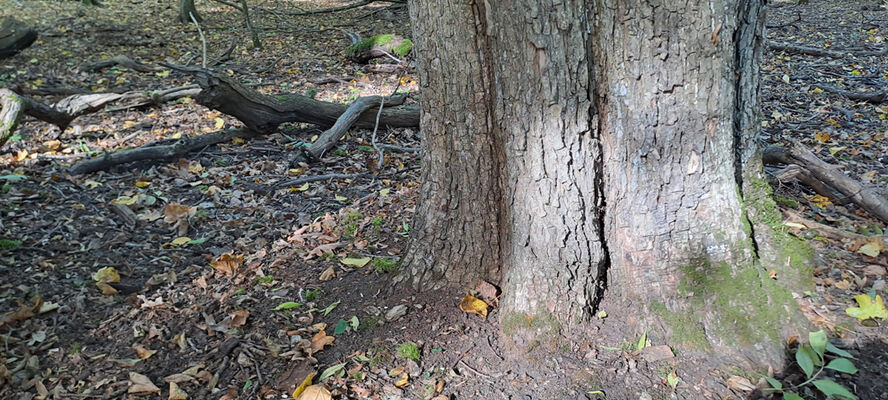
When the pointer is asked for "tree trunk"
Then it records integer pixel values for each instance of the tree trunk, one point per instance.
(573, 143)
(186, 10)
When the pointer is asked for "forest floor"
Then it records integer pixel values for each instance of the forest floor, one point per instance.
(300, 275)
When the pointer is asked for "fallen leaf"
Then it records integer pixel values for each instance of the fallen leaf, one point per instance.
(843, 284)
(740, 383)
(327, 275)
(321, 340)
(868, 308)
(181, 241)
(487, 292)
(355, 262)
(141, 384)
(106, 289)
(176, 393)
(470, 304)
(239, 318)
(333, 370)
(316, 392)
(403, 381)
(872, 248)
(341, 199)
(228, 264)
(305, 383)
(106, 275)
(92, 184)
(143, 353)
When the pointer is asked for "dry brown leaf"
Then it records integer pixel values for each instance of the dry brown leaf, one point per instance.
(239, 318)
(470, 304)
(321, 250)
(141, 384)
(316, 392)
(328, 274)
(176, 393)
(740, 383)
(106, 289)
(175, 212)
(320, 340)
(23, 312)
(143, 352)
(487, 292)
(179, 378)
(228, 264)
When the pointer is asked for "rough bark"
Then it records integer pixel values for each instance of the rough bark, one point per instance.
(186, 9)
(566, 138)
(15, 36)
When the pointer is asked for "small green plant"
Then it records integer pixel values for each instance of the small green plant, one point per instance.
(311, 93)
(339, 153)
(366, 148)
(240, 292)
(313, 294)
(408, 350)
(384, 265)
(265, 280)
(814, 355)
(76, 348)
(6, 244)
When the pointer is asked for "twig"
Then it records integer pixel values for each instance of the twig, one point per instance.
(376, 126)
(203, 39)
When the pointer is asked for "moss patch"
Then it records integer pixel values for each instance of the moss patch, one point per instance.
(531, 331)
(390, 42)
(687, 331)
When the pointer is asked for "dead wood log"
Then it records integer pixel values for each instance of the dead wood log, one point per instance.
(328, 139)
(66, 110)
(178, 148)
(874, 97)
(868, 198)
(15, 36)
(818, 52)
(263, 113)
(123, 61)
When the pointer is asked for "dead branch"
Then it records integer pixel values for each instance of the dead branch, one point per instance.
(328, 139)
(330, 10)
(15, 36)
(177, 149)
(123, 61)
(867, 198)
(870, 97)
(818, 52)
(263, 113)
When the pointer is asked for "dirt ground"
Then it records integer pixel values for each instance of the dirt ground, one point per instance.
(300, 275)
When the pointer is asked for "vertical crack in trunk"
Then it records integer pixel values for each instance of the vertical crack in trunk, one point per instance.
(597, 292)
(745, 89)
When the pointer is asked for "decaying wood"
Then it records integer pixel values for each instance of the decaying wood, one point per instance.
(868, 198)
(15, 36)
(123, 61)
(66, 110)
(178, 148)
(869, 97)
(814, 51)
(793, 172)
(264, 113)
(328, 139)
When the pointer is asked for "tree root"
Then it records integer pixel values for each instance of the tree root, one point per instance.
(870, 97)
(867, 198)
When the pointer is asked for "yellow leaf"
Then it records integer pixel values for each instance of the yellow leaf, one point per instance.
(142, 184)
(92, 184)
(195, 168)
(341, 199)
(855, 73)
(294, 171)
(404, 381)
(164, 73)
(821, 137)
(180, 240)
(820, 201)
(872, 249)
(772, 273)
(237, 141)
(300, 189)
(305, 383)
(106, 275)
(355, 262)
(143, 352)
(868, 309)
(832, 122)
(125, 200)
(470, 304)
(817, 91)
(384, 192)
(220, 123)
(836, 149)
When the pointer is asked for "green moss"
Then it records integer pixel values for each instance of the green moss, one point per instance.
(6, 244)
(409, 350)
(404, 48)
(384, 265)
(786, 201)
(545, 325)
(687, 330)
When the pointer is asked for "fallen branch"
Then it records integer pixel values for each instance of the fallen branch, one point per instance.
(328, 139)
(66, 110)
(814, 51)
(154, 152)
(123, 61)
(867, 198)
(263, 113)
(870, 97)
(15, 36)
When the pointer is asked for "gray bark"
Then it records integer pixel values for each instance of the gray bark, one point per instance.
(566, 139)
